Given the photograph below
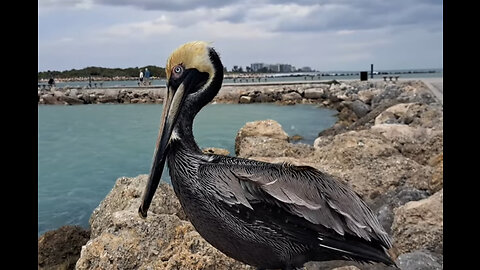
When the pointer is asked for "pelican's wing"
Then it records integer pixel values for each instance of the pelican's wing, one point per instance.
(301, 190)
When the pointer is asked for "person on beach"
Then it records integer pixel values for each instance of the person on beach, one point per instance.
(141, 77)
(51, 82)
(147, 76)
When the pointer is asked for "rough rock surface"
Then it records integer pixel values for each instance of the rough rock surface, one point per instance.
(436, 182)
(60, 249)
(369, 163)
(420, 260)
(387, 145)
(216, 151)
(384, 205)
(164, 240)
(126, 194)
(265, 128)
(419, 225)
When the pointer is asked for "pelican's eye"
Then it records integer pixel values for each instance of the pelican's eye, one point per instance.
(177, 71)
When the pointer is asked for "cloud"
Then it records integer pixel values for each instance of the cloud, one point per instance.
(178, 5)
(143, 29)
(80, 4)
(323, 34)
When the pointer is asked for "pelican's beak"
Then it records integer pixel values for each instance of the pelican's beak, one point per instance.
(171, 109)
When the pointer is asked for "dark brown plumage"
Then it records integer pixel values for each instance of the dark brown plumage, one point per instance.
(266, 215)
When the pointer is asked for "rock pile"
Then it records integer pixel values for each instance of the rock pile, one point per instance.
(387, 145)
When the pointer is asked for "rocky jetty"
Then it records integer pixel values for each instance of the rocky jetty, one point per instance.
(387, 145)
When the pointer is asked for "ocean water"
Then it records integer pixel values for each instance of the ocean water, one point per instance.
(83, 149)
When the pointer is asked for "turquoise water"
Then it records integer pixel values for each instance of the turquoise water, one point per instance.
(83, 149)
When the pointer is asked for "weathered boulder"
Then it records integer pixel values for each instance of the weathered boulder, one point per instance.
(270, 147)
(403, 133)
(108, 96)
(245, 99)
(391, 91)
(369, 163)
(383, 205)
(293, 96)
(416, 91)
(346, 265)
(216, 151)
(367, 95)
(228, 94)
(126, 195)
(265, 128)
(359, 108)
(72, 92)
(420, 260)
(413, 114)
(417, 143)
(314, 93)
(60, 248)
(50, 100)
(436, 182)
(58, 93)
(71, 100)
(419, 225)
(350, 267)
(164, 240)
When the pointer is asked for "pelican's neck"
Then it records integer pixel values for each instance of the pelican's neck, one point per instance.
(182, 134)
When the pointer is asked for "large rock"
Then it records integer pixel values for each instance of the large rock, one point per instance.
(245, 99)
(216, 151)
(416, 91)
(417, 143)
(265, 128)
(108, 96)
(367, 95)
(164, 240)
(60, 248)
(391, 91)
(419, 225)
(384, 205)
(71, 100)
(436, 182)
(268, 147)
(293, 96)
(228, 94)
(314, 93)
(403, 133)
(50, 100)
(126, 195)
(420, 260)
(369, 163)
(413, 114)
(359, 108)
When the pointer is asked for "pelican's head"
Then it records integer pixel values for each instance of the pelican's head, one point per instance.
(194, 76)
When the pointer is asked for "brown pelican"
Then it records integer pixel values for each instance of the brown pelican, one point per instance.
(265, 215)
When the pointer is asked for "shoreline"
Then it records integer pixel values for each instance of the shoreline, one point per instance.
(230, 92)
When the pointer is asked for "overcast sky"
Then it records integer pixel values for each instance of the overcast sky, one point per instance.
(323, 34)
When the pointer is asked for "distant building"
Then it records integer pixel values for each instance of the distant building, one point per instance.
(274, 68)
(306, 69)
(255, 67)
(285, 67)
(262, 67)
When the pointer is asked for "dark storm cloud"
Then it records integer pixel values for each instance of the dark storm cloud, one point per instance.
(321, 15)
(358, 15)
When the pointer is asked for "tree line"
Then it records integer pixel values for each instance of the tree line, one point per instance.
(101, 72)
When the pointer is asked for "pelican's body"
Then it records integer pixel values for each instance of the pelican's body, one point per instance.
(266, 215)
